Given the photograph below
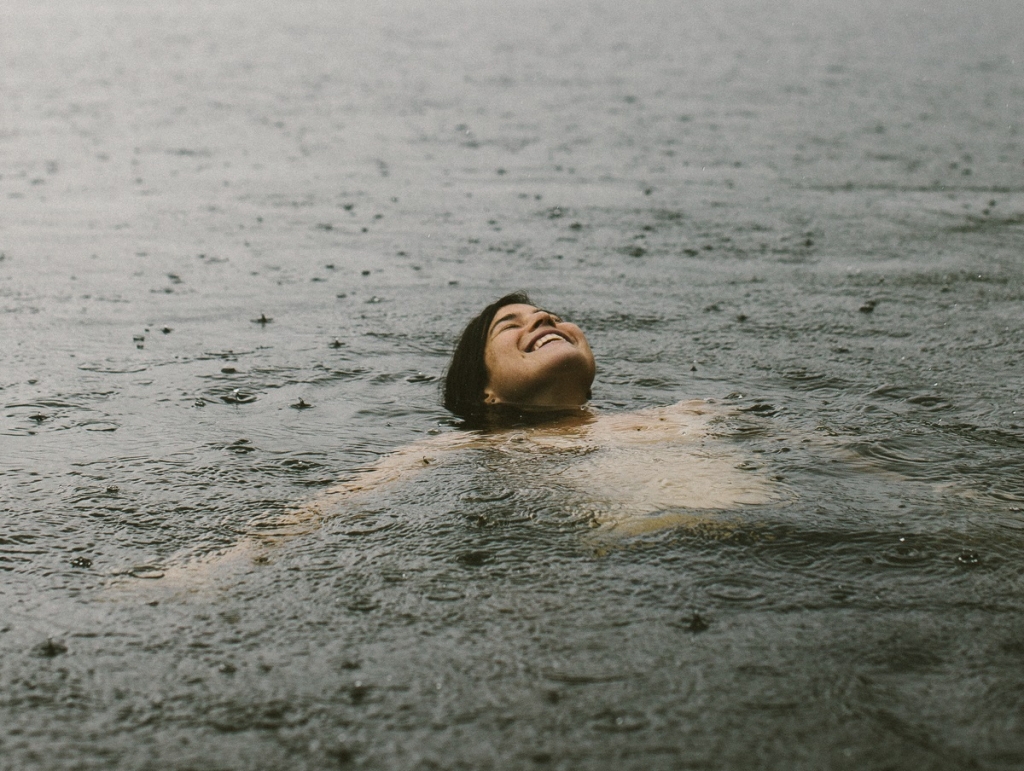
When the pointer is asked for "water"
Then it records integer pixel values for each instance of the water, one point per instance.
(812, 215)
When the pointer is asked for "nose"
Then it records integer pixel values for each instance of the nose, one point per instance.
(541, 318)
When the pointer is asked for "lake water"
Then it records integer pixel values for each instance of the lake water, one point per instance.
(212, 214)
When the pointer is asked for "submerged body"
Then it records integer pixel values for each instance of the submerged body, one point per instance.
(520, 377)
(622, 474)
(626, 472)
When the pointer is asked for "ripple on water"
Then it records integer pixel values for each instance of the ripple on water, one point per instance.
(792, 554)
(916, 457)
(227, 355)
(58, 414)
(230, 395)
(904, 395)
(1009, 435)
(904, 553)
(19, 549)
(352, 373)
(113, 366)
(444, 593)
(365, 527)
(300, 464)
(304, 468)
(806, 380)
(1013, 521)
(102, 426)
(736, 591)
(487, 496)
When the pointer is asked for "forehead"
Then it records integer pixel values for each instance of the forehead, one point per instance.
(514, 310)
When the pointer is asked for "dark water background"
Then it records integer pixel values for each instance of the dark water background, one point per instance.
(817, 207)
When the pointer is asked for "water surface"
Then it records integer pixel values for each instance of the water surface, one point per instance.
(214, 214)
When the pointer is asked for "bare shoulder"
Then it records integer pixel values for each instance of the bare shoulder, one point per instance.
(692, 419)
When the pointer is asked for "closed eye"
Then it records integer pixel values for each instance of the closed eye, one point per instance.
(506, 322)
(515, 320)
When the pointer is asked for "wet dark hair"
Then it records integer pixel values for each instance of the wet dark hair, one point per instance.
(466, 378)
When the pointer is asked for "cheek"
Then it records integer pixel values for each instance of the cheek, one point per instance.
(507, 372)
(491, 360)
(496, 362)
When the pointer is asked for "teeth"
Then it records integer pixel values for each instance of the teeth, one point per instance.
(546, 339)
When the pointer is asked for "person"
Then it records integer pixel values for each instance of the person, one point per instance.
(515, 359)
(520, 380)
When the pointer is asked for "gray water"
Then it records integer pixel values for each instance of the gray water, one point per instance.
(811, 212)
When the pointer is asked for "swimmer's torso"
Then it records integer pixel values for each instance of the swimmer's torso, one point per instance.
(622, 471)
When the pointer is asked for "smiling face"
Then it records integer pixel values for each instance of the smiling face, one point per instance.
(534, 359)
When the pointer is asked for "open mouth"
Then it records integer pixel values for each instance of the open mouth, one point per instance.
(543, 340)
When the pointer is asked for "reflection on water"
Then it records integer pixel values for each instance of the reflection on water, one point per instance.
(236, 243)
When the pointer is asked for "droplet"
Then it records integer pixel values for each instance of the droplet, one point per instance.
(238, 397)
(51, 648)
(358, 692)
(696, 624)
(968, 558)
